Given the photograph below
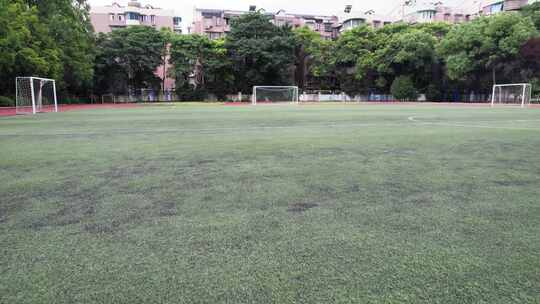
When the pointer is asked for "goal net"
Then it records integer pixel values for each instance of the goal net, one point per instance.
(518, 94)
(108, 98)
(275, 94)
(34, 95)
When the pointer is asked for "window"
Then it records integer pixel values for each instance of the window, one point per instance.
(133, 16)
(214, 36)
(177, 21)
(357, 22)
(208, 22)
(111, 17)
(120, 17)
(211, 14)
(496, 8)
(328, 27)
(152, 19)
(426, 15)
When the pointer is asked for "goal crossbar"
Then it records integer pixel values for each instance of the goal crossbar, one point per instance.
(293, 90)
(520, 95)
(26, 94)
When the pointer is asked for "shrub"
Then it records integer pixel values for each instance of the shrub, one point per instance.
(190, 93)
(433, 93)
(403, 89)
(6, 102)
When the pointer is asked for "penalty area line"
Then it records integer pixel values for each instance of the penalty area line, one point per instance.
(464, 125)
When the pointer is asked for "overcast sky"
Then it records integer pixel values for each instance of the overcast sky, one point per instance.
(184, 8)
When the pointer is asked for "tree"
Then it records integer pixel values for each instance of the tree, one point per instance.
(472, 51)
(532, 11)
(206, 60)
(313, 59)
(350, 48)
(51, 39)
(403, 89)
(407, 52)
(26, 48)
(69, 25)
(262, 53)
(128, 58)
(371, 59)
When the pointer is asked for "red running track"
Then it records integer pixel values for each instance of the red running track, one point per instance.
(75, 107)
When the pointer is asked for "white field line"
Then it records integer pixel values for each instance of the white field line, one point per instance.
(466, 125)
(209, 130)
(263, 128)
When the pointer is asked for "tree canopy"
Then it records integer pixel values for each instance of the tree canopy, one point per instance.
(51, 39)
(487, 44)
(261, 52)
(55, 39)
(128, 58)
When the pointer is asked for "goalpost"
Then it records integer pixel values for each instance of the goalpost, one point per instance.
(275, 94)
(518, 94)
(34, 95)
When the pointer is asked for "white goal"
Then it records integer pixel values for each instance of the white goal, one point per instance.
(34, 95)
(518, 94)
(274, 94)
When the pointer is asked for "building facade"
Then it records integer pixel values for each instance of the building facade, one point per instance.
(216, 23)
(352, 19)
(110, 17)
(497, 6)
(436, 12)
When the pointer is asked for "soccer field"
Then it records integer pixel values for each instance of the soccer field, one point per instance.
(271, 204)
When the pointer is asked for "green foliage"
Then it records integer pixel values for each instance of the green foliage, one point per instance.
(313, 57)
(203, 59)
(127, 59)
(261, 52)
(70, 28)
(478, 48)
(532, 11)
(403, 89)
(26, 46)
(51, 39)
(352, 55)
(373, 58)
(6, 102)
(433, 93)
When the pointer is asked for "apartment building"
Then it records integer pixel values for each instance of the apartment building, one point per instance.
(110, 17)
(215, 23)
(497, 6)
(352, 19)
(436, 12)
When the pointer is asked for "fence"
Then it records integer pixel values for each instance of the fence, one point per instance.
(445, 97)
(326, 96)
(142, 95)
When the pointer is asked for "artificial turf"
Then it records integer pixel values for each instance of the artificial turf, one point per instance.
(271, 204)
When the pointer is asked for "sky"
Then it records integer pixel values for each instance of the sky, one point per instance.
(184, 8)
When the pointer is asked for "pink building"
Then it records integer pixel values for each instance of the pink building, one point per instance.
(215, 23)
(110, 17)
(352, 19)
(495, 6)
(436, 12)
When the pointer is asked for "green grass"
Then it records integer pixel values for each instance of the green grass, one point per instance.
(308, 204)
